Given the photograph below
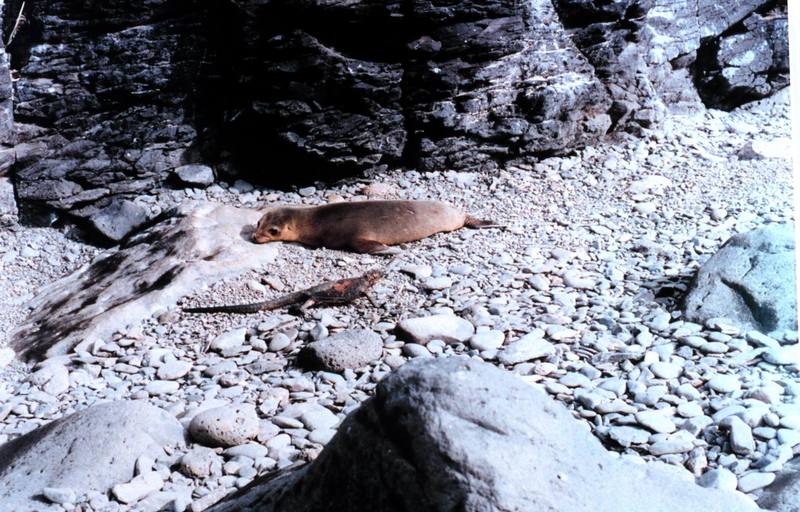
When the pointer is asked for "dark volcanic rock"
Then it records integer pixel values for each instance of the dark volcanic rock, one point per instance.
(503, 80)
(310, 106)
(460, 434)
(119, 94)
(748, 62)
(116, 86)
(644, 50)
(431, 84)
(750, 280)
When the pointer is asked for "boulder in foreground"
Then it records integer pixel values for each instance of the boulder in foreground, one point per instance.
(783, 495)
(91, 450)
(459, 434)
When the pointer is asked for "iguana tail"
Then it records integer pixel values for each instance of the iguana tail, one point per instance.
(254, 307)
(242, 309)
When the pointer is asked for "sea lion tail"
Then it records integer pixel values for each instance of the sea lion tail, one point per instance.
(473, 223)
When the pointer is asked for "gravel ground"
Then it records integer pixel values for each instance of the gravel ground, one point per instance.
(599, 247)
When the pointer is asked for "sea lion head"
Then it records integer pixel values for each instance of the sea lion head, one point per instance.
(276, 224)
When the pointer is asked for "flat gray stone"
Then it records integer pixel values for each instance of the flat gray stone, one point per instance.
(724, 383)
(741, 437)
(161, 387)
(689, 409)
(174, 370)
(252, 450)
(119, 219)
(655, 421)
(350, 349)
(487, 340)
(318, 418)
(436, 283)
(60, 495)
(788, 437)
(531, 346)
(229, 340)
(199, 461)
(195, 175)
(679, 442)
(448, 328)
(783, 355)
(459, 434)
(575, 380)
(750, 482)
(91, 450)
(141, 486)
(626, 436)
(664, 370)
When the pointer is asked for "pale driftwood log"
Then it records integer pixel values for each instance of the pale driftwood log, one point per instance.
(196, 245)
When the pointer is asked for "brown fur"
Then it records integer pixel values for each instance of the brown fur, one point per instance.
(362, 226)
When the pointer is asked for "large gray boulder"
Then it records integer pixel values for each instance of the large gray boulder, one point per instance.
(750, 280)
(195, 245)
(783, 495)
(460, 434)
(90, 450)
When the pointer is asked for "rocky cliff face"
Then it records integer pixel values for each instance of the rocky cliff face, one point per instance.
(105, 100)
(429, 84)
(110, 97)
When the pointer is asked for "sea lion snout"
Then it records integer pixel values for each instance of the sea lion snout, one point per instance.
(273, 226)
(266, 234)
(258, 238)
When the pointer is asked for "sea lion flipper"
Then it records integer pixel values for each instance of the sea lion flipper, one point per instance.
(473, 223)
(373, 247)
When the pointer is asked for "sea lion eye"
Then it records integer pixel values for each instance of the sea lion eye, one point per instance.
(274, 231)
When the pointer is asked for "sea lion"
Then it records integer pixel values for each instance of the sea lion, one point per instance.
(362, 226)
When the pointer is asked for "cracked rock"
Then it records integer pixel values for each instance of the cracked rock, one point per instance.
(750, 280)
